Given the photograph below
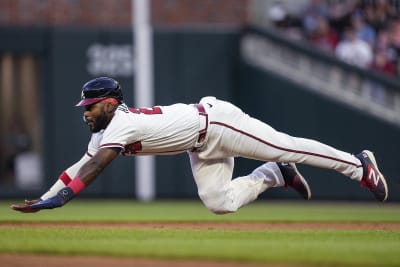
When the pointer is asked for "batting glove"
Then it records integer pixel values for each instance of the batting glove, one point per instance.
(62, 197)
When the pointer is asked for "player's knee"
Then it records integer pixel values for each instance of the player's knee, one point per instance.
(219, 209)
(217, 202)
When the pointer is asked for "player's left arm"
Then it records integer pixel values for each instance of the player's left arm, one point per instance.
(86, 175)
(89, 171)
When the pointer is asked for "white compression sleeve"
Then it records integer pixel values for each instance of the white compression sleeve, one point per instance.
(65, 178)
(57, 186)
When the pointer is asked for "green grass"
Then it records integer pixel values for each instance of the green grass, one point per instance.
(306, 247)
(270, 211)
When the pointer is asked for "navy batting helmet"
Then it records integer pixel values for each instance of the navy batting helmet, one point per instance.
(98, 89)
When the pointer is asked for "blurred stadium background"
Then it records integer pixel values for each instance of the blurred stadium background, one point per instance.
(278, 60)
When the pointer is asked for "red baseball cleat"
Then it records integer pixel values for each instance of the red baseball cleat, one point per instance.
(294, 179)
(372, 177)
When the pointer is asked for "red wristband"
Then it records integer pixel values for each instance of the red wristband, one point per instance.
(64, 177)
(76, 185)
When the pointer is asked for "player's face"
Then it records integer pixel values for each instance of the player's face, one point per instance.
(96, 117)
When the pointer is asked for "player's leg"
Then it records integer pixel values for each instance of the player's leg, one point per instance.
(235, 133)
(217, 190)
(221, 194)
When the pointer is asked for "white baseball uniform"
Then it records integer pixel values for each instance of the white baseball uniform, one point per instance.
(213, 133)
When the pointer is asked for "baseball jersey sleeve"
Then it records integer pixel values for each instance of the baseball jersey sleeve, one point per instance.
(94, 144)
(118, 133)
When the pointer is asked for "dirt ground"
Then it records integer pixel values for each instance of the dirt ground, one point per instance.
(9, 260)
(19, 260)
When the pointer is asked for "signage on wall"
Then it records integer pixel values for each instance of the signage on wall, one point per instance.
(110, 60)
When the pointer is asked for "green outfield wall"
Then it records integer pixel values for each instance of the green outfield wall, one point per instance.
(188, 64)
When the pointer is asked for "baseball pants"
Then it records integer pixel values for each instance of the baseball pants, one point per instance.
(232, 133)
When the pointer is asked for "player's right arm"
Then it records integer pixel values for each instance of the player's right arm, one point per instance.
(66, 177)
(63, 180)
(87, 173)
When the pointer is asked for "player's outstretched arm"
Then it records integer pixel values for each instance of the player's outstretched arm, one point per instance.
(63, 180)
(86, 174)
(26, 207)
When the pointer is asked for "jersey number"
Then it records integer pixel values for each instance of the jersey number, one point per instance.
(147, 111)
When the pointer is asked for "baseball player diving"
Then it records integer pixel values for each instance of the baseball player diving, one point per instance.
(212, 132)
